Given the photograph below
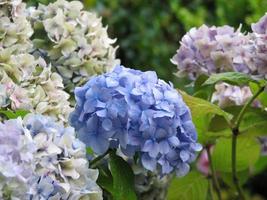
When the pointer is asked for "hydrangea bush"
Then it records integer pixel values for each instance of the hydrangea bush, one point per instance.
(41, 159)
(76, 42)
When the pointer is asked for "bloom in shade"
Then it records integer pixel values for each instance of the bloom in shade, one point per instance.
(79, 46)
(138, 113)
(41, 159)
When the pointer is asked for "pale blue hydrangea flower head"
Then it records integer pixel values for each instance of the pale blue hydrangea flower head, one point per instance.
(138, 113)
(16, 159)
(42, 160)
(61, 166)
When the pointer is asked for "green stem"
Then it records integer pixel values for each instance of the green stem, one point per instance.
(94, 162)
(243, 110)
(235, 133)
(234, 173)
(213, 175)
(211, 190)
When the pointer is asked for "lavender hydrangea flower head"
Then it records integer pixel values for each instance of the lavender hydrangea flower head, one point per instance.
(136, 112)
(79, 44)
(259, 39)
(208, 50)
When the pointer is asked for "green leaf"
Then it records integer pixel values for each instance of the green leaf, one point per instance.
(14, 114)
(253, 117)
(262, 97)
(105, 180)
(123, 178)
(260, 165)
(233, 78)
(202, 112)
(200, 91)
(228, 178)
(259, 129)
(199, 107)
(193, 186)
(89, 151)
(248, 152)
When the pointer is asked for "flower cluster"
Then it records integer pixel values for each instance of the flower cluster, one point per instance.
(16, 159)
(227, 95)
(136, 112)
(208, 50)
(40, 159)
(15, 29)
(77, 44)
(31, 86)
(259, 38)
(27, 82)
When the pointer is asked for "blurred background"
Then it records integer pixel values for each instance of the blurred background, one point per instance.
(148, 31)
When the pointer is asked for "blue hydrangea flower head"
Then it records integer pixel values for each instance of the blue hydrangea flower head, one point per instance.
(136, 112)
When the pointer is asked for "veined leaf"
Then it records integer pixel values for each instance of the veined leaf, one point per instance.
(233, 78)
(123, 178)
(199, 107)
(247, 153)
(193, 186)
(14, 114)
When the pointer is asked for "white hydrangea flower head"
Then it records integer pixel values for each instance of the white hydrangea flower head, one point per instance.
(76, 41)
(15, 29)
(27, 81)
(33, 87)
